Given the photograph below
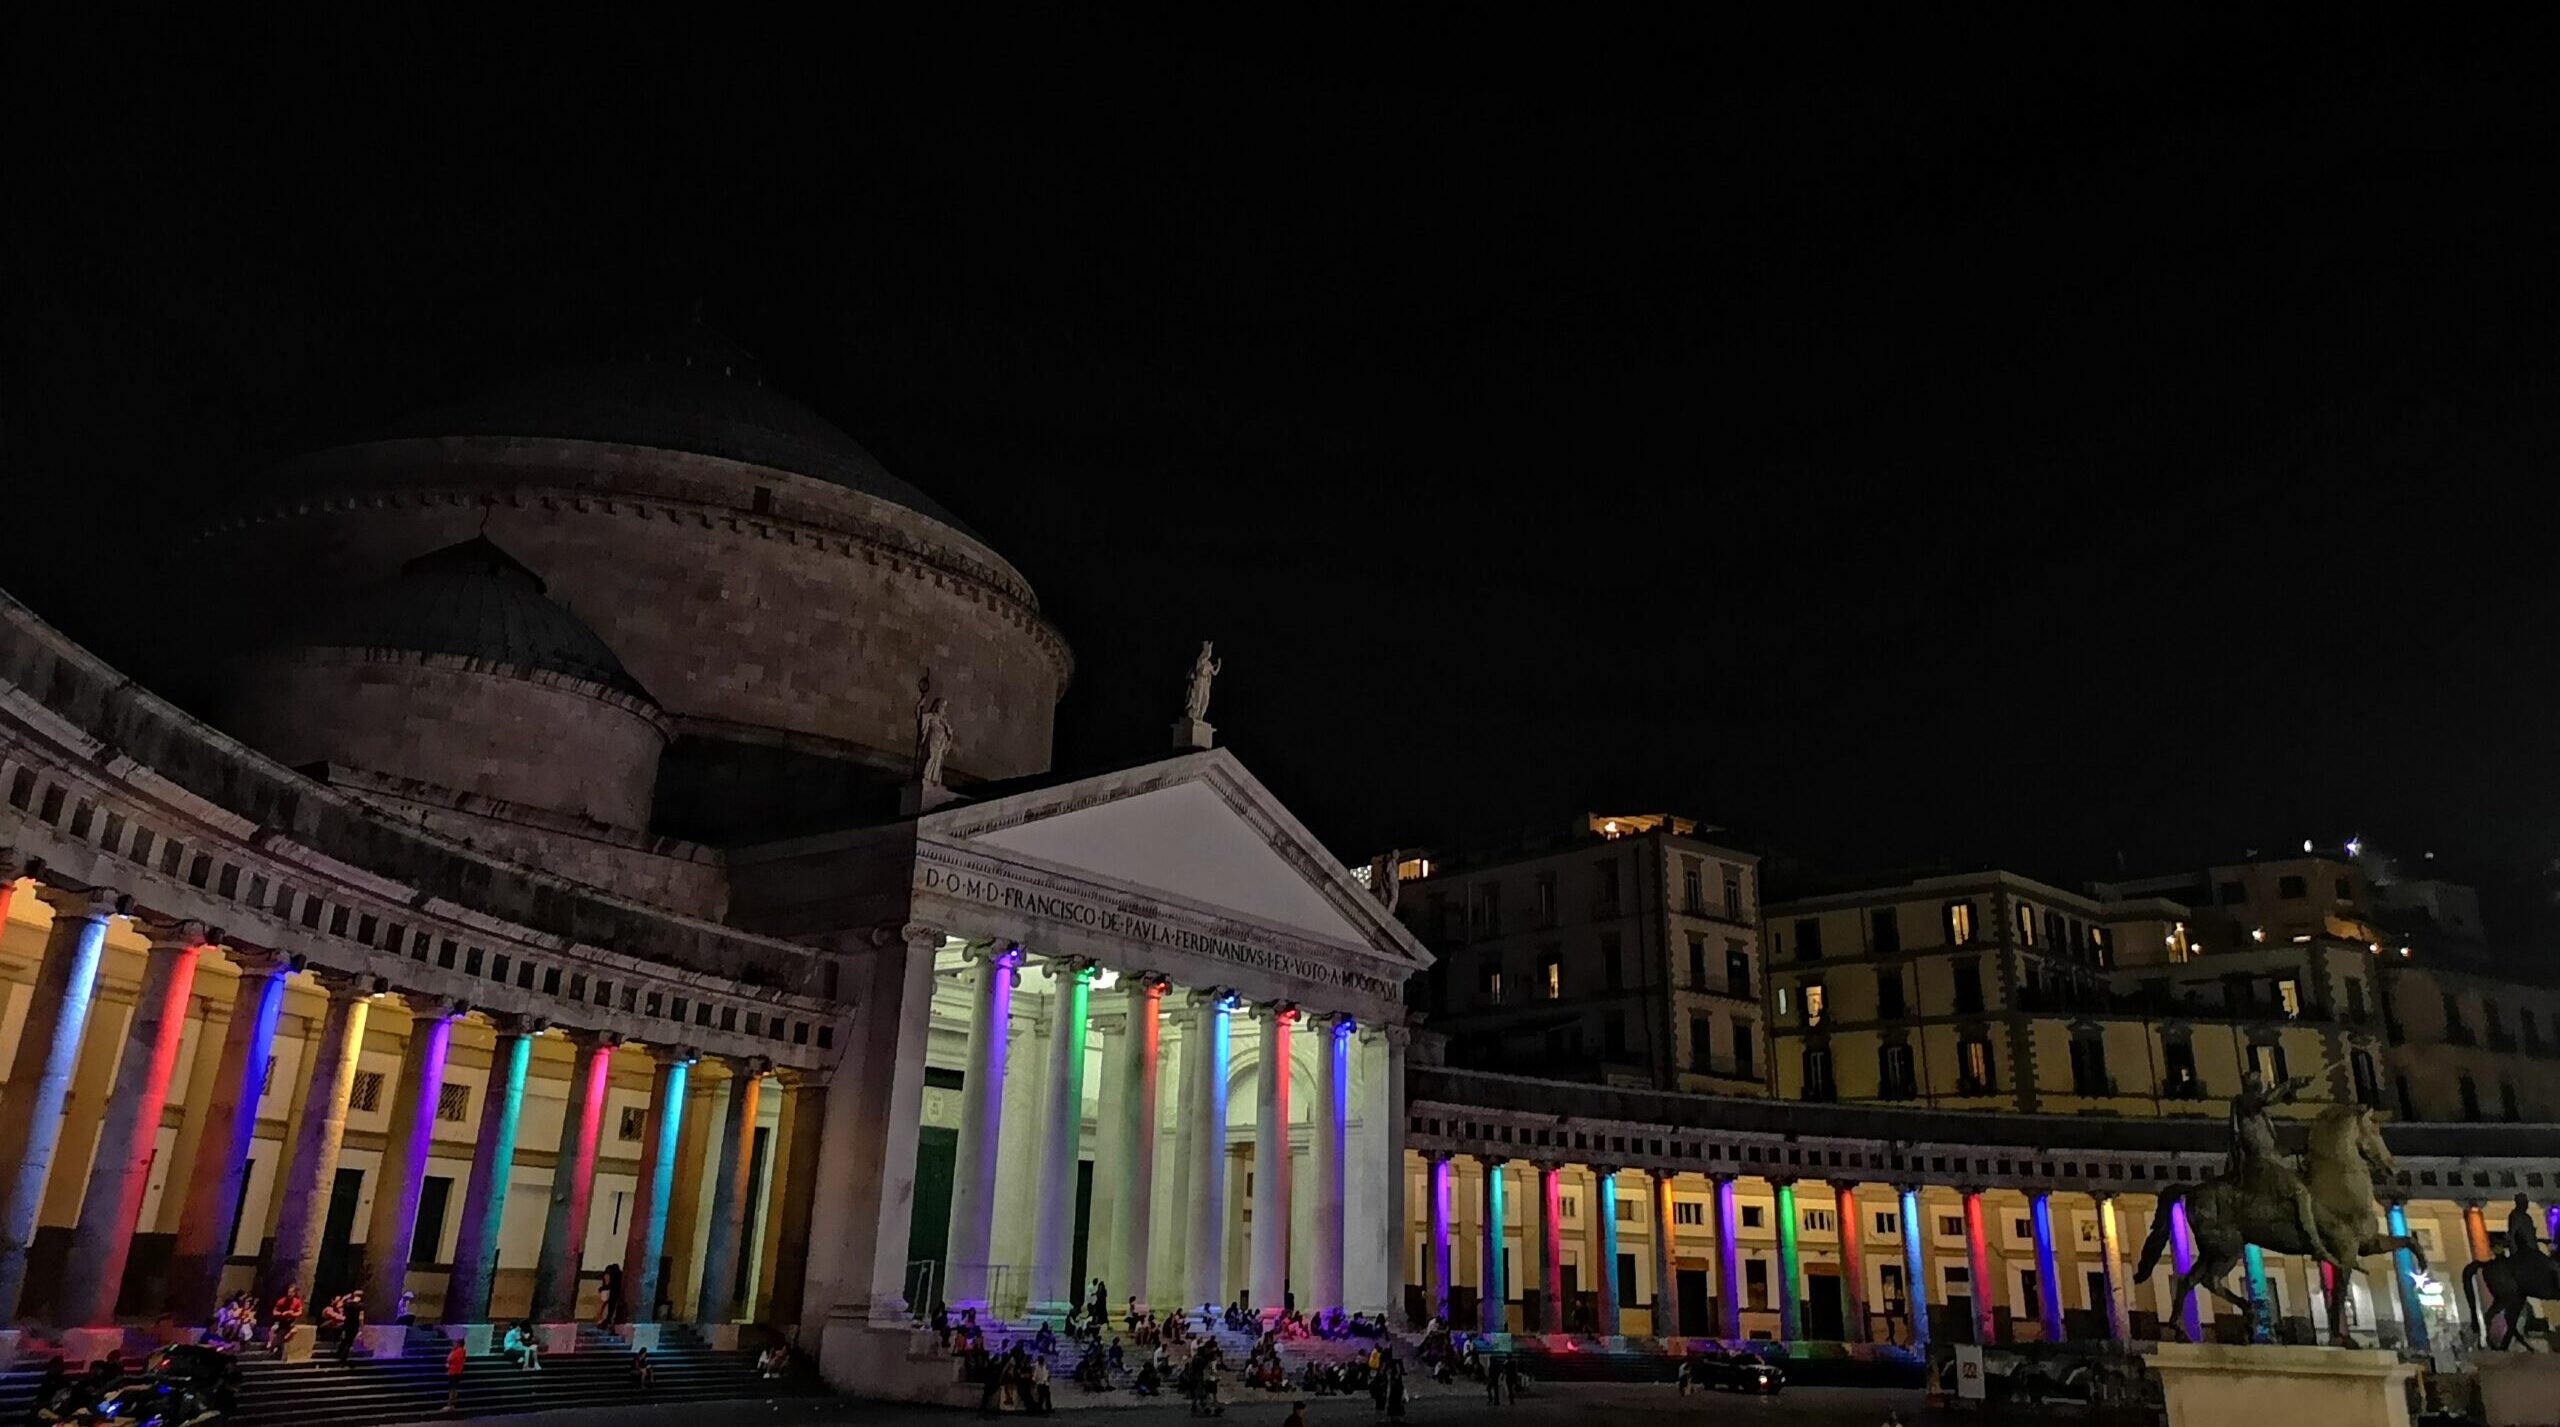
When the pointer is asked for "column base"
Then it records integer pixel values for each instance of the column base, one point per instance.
(643, 1335)
(902, 1364)
(475, 1338)
(2214, 1384)
(83, 1346)
(556, 1338)
(720, 1336)
(1052, 1314)
(297, 1345)
(385, 1342)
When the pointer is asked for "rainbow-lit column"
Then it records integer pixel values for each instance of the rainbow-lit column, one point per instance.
(1604, 1229)
(1790, 1290)
(1493, 1293)
(405, 1146)
(302, 1212)
(1915, 1266)
(1053, 1286)
(1666, 1260)
(2182, 1248)
(973, 1155)
(1550, 1248)
(1853, 1264)
(573, 1179)
(1331, 1133)
(2111, 1257)
(1977, 1257)
(121, 1169)
(40, 1075)
(2048, 1279)
(493, 1162)
(1728, 1258)
(2404, 1265)
(1271, 1163)
(646, 1240)
(1438, 1293)
(211, 1219)
(1206, 1042)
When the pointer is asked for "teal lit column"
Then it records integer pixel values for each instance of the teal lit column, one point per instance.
(2261, 1302)
(1490, 1287)
(1790, 1307)
(1605, 1204)
(647, 1238)
(2404, 1267)
(2048, 1280)
(1053, 1291)
(493, 1159)
(1915, 1268)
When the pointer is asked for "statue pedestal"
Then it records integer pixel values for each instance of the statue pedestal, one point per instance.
(2217, 1384)
(1190, 734)
(2518, 1389)
(919, 798)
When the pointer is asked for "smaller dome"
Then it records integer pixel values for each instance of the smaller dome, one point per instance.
(473, 601)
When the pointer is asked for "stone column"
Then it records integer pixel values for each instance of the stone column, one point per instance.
(1977, 1250)
(1378, 1238)
(1666, 1260)
(2182, 1248)
(793, 1197)
(1271, 1163)
(1728, 1257)
(1330, 1131)
(1853, 1263)
(646, 1239)
(1790, 1264)
(1915, 1266)
(736, 1168)
(874, 1111)
(1490, 1288)
(1550, 1248)
(1136, 1110)
(493, 1163)
(303, 1194)
(1604, 1247)
(2404, 1265)
(2048, 1275)
(973, 1157)
(1062, 1142)
(1437, 1294)
(208, 1225)
(2475, 1227)
(1204, 1093)
(127, 1141)
(573, 1179)
(2111, 1259)
(40, 1075)
(681, 1286)
(204, 1067)
(406, 1142)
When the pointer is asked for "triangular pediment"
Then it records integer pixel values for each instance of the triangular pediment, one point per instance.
(1197, 829)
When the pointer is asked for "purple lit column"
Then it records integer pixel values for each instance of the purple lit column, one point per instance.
(2048, 1282)
(973, 1161)
(405, 1146)
(1728, 1257)
(210, 1223)
(2182, 1244)
(1440, 1232)
(130, 1135)
(40, 1075)
(1332, 1131)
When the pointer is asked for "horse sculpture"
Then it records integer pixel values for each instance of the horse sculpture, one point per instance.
(2225, 1217)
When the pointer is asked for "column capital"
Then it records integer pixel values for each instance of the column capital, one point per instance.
(1080, 967)
(586, 1038)
(1209, 998)
(1145, 983)
(427, 1006)
(95, 904)
(1278, 1013)
(921, 940)
(177, 936)
(672, 1054)
(1845, 1186)
(514, 1023)
(345, 985)
(1438, 1156)
(260, 961)
(1605, 1171)
(748, 1067)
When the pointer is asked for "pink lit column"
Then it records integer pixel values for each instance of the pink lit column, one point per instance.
(1271, 1163)
(406, 1143)
(130, 1135)
(573, 1179)
(40, 1076)
(1729, 1257)
(210, 1222)
(1977, 1253)
(1550, 1248)
(1438, 1293)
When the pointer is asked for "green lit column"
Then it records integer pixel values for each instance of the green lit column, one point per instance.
(1062, 1134)
(1790, 1310)
(493, 1160)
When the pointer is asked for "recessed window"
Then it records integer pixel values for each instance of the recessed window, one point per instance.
(1689, 1213)
(453, 1103)
(1751, 1216)
(1889, 1004)
(1884, 932)
(1813, 1003)
(366, 1093)
(1968, 978)
(2292, 889)
(1973, 1066)
(1551, 977)
(2230, 894)
(634, 1119)
(1808, 938)
(1959, 923)
(1888, 1222)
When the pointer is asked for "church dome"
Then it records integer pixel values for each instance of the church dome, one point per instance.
(689, 392)
(473, 601)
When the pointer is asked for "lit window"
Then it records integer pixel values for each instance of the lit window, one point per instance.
(1813, 1003)
(2289, 996)
(1554, 980)
(1959, 923)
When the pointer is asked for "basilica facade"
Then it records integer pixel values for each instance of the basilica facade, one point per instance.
(554, 889)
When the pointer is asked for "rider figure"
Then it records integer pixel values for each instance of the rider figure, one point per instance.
(2256, 1164)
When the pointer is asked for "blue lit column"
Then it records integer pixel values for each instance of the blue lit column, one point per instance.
(647, 1238)
(1206, 1043)
(493, 1161)
(40, 1075)
(2048, 1281)
(1915, 1268)
(2404, 1266)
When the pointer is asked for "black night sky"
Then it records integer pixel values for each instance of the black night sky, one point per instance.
(1990, 444)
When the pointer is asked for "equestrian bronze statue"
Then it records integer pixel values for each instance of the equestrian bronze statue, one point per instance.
(2514, 1279)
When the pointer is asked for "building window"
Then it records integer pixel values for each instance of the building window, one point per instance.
(1627, 1209)
(1545, 910)
(2102, 948)
(1817, 1074)
(2368, 1084)
(2292, 889)
(1737, 969)
(1615, 1035)
(1755, 1282)
(1894, 1080)
(1485, 911)
(1689, 1213)
(2267, 1058)
(1697, 963)
(1959, 923)
(1693, 889)
(1489, 981)
(2507, 1105)
(2454, 1028)
(2230, 894)
(1551, 976)
(2524, 1022)
(366, 1094)
(2089, 1065)
(2178, 1079)
(2289, 998)
(1751, 1216)
(1744, 1043)
(1813, 1002)
(1612, 976)
(453, 1103)
(1821, 1221)
(635, 1118)
(1808, 938)
(2346, 890)
(2356, 1006)
(1733, 898)
(1968, 976)
(2026, 925)
(1951, 1226)
(1884, 932)
(1607, 871)
(1973, 1066)
(1888, 1223)
(1889, 996)
(1702, 1045)
(2470, 1098)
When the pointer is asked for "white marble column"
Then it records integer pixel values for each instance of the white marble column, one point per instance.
(1271, 1163)
(1135, 1111)
(1204, 1094)
(1379, 1240)
(1053, 1290)
(1330, 1127)
(974, 1157)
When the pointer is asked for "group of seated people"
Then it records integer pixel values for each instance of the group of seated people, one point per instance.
(235, 1323)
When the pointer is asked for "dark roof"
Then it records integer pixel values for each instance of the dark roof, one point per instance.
(689, 393)
(475, 601)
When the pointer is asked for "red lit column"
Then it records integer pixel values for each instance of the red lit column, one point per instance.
(1977, 1253)
(1853, 1265)
(40, 1075)
(573, 1179)
(130, 1134)
(1550, 1249)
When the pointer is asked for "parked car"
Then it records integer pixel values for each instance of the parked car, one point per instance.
(1737, 1372)
(183, 1385)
